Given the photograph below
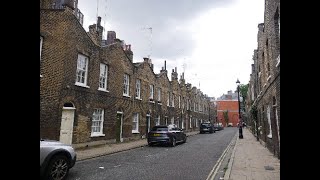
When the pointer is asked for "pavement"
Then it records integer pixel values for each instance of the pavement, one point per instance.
(249, 160)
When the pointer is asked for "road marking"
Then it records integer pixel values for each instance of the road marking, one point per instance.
(215, 168)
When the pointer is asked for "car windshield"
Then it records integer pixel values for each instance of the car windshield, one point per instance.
(159, 129)
(205, 125)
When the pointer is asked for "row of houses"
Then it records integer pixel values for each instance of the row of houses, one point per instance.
(263, 98)
(91, 91)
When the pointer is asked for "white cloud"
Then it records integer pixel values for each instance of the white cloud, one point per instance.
(213, 40)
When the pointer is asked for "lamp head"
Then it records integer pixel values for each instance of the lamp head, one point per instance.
(238, 82)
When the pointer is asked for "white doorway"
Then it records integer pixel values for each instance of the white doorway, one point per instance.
(66, 129)
(148, 123)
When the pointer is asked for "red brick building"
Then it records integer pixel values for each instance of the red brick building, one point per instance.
(232, 107)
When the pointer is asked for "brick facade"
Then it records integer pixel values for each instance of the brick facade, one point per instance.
(232, 106)
(64, 39)
(264, 85)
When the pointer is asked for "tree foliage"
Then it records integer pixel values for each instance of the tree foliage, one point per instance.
(244, 91)
(226, 117)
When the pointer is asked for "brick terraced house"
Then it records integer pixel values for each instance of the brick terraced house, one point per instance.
(91, 91)
(263, 98)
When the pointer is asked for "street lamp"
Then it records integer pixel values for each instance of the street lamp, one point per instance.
(240, 121)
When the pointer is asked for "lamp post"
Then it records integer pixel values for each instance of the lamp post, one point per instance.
(240, 120)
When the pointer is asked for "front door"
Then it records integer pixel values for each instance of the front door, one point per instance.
(66, 129)
(119, 125)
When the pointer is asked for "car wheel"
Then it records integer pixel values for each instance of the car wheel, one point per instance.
(173, 142)
(58, 168)
(185, 139)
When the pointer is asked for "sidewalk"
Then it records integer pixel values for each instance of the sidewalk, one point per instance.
(92, 152)
(252, 161)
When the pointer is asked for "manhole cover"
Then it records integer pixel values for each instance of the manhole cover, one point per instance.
(270, 168)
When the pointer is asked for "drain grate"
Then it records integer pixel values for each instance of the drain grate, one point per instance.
(270, 168)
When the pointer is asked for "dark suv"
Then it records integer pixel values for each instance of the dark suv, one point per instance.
(206, 127)
(166, 134)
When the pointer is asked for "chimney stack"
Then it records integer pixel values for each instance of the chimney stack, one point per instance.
(111, 36)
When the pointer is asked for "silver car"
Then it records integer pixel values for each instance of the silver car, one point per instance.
(56, 159)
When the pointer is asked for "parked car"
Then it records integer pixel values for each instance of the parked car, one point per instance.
(166, 134)
(206, 127)
(218, 126)
(56, 159)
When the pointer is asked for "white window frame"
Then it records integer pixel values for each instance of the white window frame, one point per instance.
(190, 122)
(82, 71)
(252, 93)
(138, 89)
(269, 121)
(135, 120)
(151, 96)
(97, 117)
(103, 78)
(197, 122)
(126, 85)
(166, 119)
(41, 41)
(179, 101)
(158, 120)
(159, 94)
(182, 123)
(168, 99)
(172, 102)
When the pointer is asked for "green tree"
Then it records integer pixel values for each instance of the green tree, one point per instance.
(226, 117)
(243, 93)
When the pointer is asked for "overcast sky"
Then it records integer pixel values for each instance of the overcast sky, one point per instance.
(211, 41)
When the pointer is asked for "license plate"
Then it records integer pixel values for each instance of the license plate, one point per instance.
(156, 134)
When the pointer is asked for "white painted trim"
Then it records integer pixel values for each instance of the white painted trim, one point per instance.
(119, 112)
(278, 61)
(269, 77)
(135, 132)
(104, 90)
(138, 99)
(127, 96)
(97, 135)
(81, 85)
(68, 108)
(41, 76)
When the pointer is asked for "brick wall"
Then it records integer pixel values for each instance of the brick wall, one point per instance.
(63, 39)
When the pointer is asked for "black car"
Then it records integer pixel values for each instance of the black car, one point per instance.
(166, 134)
(207, 127)
(218, 126)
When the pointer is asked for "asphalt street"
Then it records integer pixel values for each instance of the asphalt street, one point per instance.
(192, 160)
